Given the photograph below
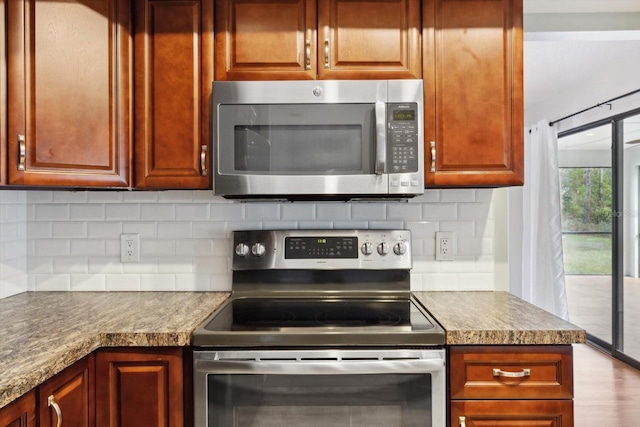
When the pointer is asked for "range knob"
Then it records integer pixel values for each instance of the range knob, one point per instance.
(383, 248)
(258, 249)
(367, 248)
(242, 249)
(400, 248)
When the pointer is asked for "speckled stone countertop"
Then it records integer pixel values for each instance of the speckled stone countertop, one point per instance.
(496, 318)
(41, 333)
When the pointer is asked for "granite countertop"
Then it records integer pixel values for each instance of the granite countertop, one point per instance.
(44, 332)
(496, 318)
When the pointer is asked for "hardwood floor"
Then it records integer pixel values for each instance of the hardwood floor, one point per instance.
(607, 391)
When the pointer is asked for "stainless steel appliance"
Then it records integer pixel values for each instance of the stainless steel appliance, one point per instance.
(321, 329)
(318, 139)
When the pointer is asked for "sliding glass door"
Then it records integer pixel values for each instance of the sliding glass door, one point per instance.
(600, 185)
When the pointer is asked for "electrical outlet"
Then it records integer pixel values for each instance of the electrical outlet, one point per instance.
(129, 248)
(445, 246)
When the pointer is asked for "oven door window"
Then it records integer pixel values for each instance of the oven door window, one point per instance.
(297, 139)
(366, 400)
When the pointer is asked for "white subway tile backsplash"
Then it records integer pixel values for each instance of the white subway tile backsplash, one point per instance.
(333, 211)
(458, 195)
(69, 229)
(299, 211)
(88, 212)
(88, 247)
(51, 212)
(474, 210)
(88, 282)
(404, 211)
(71, 240)
(124, 211)
(439, 211)
(174, 229)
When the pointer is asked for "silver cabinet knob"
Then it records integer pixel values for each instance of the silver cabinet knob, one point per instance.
(383, 248)
(367, 248)
(258, 249)
(400, 248)
(242, 249)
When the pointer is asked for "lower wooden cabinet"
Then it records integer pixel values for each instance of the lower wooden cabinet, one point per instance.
(139, 387)
(522, 386)
(69, 395)
(512, 413)
(20, 413)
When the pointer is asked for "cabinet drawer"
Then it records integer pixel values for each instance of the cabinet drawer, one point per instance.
(501, 413)
(511, 372)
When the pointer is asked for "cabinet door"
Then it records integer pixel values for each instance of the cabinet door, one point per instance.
(3, 94)
(174, 70)
(369, 39)
(473, 92)
(265, 39)
(20, 413)
(68, 78)
(72, 393)
(142, 388)
(512, 413)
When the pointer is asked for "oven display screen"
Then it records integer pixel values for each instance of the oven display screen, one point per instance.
(320, 247)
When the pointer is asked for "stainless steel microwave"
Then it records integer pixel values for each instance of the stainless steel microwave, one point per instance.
(318, 139)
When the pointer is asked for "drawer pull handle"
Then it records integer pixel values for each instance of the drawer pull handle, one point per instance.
(463, 421)
(307, 54)
(326, 53)
(521, 374)
(51, 401)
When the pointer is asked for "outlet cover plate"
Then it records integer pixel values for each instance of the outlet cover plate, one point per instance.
(130, 247)
(445, 246)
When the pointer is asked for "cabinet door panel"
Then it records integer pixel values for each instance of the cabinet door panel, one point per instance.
(3, 94)
(513, 413)
(265, 39)
(369, 39)
(20, 413)
(473, 92)
(174, 57)
(68, 92)
(74, 393)
(142, 389)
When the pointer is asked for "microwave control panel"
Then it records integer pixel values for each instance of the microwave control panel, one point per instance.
(402, 139)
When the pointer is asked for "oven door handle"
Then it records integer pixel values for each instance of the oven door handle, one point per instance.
(320, 367)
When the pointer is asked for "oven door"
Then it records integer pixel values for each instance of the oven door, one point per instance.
(372, 388)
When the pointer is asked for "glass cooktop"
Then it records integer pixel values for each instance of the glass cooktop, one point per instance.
(325, 321)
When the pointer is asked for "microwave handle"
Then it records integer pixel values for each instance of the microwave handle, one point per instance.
(381, 138)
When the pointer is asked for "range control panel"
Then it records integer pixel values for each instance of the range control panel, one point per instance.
(321, 249)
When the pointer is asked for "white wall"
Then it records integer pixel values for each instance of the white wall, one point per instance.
(630, 212)
(13, 243)
(73, 238)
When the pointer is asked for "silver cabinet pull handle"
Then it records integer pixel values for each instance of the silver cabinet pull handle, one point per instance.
(463, 421)
(51, 401)
(203, 160)
(432, 145)
(521, 374)
(307, 53)
(22, 152)
(326, 53)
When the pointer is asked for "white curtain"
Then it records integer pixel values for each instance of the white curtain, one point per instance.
(542, 265)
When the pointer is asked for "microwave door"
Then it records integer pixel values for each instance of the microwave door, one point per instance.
(301, 149)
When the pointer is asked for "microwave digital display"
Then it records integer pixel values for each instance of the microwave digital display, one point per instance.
(404, 114)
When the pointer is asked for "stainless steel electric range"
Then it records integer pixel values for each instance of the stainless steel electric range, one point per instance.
(321, 329)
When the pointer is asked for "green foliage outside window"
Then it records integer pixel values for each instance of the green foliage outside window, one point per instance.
(586, 199)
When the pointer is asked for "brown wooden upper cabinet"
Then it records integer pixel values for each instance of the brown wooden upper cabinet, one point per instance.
(68, 92)
(472, 55)
(327, 39)
(174, 70)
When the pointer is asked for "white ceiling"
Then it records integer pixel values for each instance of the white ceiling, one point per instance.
(557, 60)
